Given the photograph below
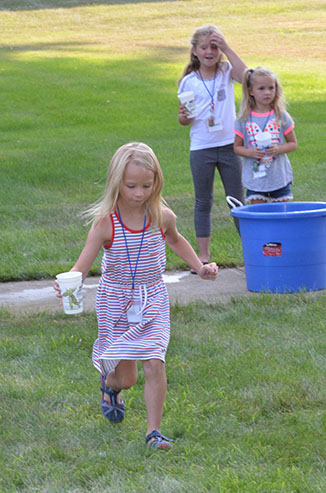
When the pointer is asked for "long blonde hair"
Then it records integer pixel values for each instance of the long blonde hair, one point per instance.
(141, 155)
(194, 63)
(248, 101)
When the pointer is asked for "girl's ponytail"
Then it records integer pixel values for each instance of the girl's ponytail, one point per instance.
(247, 101)
(247, 75)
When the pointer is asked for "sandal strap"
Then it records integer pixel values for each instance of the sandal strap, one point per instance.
(158, 436)
(107, 390)
(113, 395)
(110, 392)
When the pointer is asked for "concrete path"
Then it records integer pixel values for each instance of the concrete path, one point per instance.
(183, 287)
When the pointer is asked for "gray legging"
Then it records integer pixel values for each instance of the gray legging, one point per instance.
(203, 163)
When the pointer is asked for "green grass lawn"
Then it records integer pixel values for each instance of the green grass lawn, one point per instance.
(246, 404)
(246, 380)
(78, 82)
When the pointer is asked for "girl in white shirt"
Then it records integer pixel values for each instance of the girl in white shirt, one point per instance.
(211, 77)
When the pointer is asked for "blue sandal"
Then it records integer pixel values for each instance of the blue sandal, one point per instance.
(160, 441)
(114, 411)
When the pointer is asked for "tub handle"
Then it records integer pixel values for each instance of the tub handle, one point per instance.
(233, 202)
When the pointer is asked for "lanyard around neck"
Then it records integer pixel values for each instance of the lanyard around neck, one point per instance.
(133, 273)
(211, 94)
(266, 121)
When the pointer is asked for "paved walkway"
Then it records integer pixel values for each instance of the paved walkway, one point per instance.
(182, 286)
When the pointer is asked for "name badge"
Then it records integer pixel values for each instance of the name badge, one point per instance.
(261, 171)
(135, 314)
(215, 125)
(221, 95)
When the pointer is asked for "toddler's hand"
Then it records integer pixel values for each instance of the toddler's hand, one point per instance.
(257, 153)
(209, 271)
(272, 150)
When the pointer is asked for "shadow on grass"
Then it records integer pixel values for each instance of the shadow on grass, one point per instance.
(46, 46)
(165, 52)
(66, 4)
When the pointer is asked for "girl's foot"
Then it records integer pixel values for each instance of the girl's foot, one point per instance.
(158, 441)
(113, 410)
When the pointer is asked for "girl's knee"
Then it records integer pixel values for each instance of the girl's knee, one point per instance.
(128, 381)
(126, 373)
(152, 367)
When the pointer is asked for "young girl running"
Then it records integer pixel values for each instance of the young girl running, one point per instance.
(132, 224)
(264, 134)
(211, 77)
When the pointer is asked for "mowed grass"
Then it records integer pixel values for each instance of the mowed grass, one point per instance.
(78, 82)
(246, 380)
(246, 403)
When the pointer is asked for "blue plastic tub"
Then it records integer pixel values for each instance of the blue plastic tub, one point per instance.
(284, 246)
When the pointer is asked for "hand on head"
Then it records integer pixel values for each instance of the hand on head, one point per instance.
(218, 40)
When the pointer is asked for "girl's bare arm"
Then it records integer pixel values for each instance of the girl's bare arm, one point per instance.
(97, 236)
(238, 66)
(184, 250)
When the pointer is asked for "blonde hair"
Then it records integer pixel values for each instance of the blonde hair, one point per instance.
(248, 102)
(194, 63)
(141, 155)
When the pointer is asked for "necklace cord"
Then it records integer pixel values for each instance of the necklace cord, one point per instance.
(133, 273)
(211, 94)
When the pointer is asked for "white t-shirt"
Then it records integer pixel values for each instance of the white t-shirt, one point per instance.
(224, 111)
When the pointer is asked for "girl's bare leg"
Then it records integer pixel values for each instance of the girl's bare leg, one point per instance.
(154, 392)
(203, 246)
(123, 376)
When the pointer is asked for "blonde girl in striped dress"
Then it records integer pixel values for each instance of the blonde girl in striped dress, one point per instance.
(132, 223)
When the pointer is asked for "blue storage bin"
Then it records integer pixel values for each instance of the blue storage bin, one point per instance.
(284, 245)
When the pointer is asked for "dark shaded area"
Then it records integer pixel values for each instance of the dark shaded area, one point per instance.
(164, 51)
(65, 4)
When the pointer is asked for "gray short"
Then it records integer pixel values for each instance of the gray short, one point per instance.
(203, 164)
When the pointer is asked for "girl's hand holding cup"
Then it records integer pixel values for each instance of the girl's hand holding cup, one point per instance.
(57, 289)
(273, 150)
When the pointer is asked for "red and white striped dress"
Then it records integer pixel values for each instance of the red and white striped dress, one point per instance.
(148, 339)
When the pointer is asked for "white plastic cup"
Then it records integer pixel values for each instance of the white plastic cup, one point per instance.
(187, 99)
(263, 139)
(71, 286)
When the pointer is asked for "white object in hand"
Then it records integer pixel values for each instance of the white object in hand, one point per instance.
(187, 99)
(263, 139)
(71, 284)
